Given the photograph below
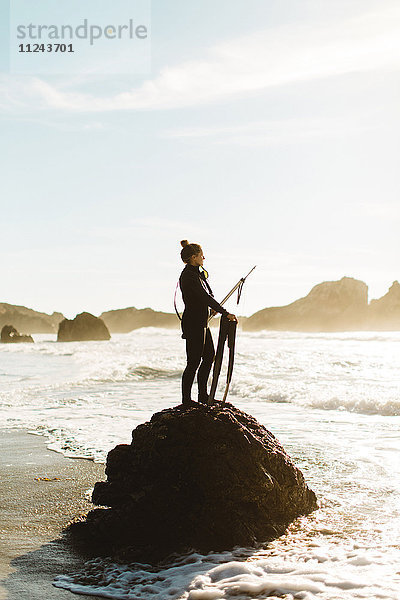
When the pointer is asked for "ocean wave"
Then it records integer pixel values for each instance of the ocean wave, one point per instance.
(146, 372)
(345, 336)
(258, 392)
(345, 363)
(366, 406)
(387, 405)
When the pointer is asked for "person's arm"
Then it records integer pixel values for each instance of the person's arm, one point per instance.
(229, 316)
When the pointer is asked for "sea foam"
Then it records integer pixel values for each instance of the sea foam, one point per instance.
(319, 570)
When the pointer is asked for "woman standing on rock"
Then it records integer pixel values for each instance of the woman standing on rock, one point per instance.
(198, 297)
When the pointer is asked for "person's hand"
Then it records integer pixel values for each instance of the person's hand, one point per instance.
(231, 317)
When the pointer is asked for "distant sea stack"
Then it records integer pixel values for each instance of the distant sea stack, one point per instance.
(9, 335)
(197, 477)
(384, 313)
(28, 320)
(330, 306)
(127, 319)
(85, 327)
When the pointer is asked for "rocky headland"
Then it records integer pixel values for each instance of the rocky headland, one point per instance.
(333, 306)
(28, 320)
(384, 313)
(85, 327)
(330, 306)
(127, 319)
(198, 477)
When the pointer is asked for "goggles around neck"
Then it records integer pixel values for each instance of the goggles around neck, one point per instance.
(204, 272)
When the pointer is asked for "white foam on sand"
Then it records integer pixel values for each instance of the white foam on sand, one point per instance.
(322, 570)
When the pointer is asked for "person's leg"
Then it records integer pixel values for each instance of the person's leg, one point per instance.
(205, 368)
(194, 351)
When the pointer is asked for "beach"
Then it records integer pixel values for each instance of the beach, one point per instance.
(331, 399)
(41, 491)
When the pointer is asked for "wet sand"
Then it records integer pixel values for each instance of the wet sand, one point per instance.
(40, 492)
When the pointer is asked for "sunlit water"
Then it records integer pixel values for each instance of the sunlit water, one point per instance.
(333, 400)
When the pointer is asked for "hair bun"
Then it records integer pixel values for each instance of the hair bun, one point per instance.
(184, 243)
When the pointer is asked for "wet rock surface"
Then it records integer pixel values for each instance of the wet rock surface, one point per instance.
(85, 327)
(203, 478)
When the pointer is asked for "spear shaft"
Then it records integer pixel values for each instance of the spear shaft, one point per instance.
(233, 290)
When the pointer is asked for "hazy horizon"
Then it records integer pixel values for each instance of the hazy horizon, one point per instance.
(266, 132)
(179, 303)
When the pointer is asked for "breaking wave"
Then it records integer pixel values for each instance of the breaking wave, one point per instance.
(145, 372)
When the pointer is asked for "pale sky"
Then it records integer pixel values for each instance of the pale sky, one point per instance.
(266, 130)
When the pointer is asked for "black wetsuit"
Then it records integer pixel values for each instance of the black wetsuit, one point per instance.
(198, 297)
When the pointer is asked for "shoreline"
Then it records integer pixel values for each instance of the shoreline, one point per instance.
(41, 491)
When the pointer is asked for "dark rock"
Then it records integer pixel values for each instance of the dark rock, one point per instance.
(9, 335)
(204, 478)
(84, 327)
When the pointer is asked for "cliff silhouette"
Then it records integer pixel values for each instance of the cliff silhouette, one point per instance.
(384, 313)
(333, 306)
(330, 306)
(127, 319)
(28, 320)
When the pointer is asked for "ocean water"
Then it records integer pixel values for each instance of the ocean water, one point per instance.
(333, 400)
